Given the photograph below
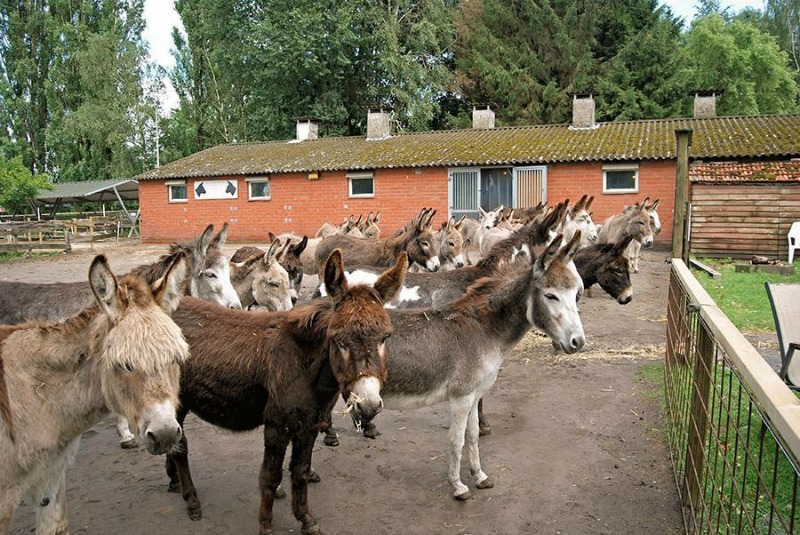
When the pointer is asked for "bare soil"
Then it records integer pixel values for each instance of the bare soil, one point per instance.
(577, 444)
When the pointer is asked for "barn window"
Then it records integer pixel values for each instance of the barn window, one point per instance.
(177, 191)
(362, 184)
(620, 178)
(258, 188)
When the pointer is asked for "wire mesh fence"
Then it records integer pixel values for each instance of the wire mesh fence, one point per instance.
(732, 425)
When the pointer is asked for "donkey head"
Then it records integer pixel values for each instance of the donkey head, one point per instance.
(655, 221)
(261, 280)
(612, 270)
(370, 228)
(554, 294)
(211, 276)
(422, 247)
(639, 225)
(357, 332)
(489, 219)
(451, 242)
(140, 349)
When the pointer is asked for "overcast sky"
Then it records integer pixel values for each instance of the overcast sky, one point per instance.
(161, 17)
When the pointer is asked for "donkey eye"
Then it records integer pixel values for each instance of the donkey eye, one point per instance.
(423, 243)
(275, 284)
(210, 275)
(451, 243)
(551, 297)
(125, 367)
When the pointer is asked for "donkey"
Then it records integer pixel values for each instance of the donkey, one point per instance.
(415, 238)
(451, 243)
(290, 258)
(607, 265)
(370, 228)
(349, 227)
(579, 218)
(57, 380)
(284, 370)
(454, 354)
(655, 223)
(209, 279)
(633, 222)
(261, 281)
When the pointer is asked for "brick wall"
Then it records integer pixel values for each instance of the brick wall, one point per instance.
(296, 205)
(656, 180)
(301, 206)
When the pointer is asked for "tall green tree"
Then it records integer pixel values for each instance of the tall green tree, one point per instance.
(744, 61)
(783, 21)
(18, 186)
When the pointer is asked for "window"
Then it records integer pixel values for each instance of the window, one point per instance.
(258, 188)
(361, 184)
(177, 191)
(620, 178)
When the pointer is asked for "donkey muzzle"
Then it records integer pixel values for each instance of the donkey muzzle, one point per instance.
(366, 398)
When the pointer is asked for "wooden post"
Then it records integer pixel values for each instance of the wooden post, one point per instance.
(698, 420)
(683, 140)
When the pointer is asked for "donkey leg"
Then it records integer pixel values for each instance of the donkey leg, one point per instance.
(459, 411)
(126, 438)
(177, 465)
(483, 423)
(482, 481)
(269, 478)
(300, 468)
(51, 498)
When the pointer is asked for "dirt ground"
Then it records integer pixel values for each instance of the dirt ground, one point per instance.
(577, 444)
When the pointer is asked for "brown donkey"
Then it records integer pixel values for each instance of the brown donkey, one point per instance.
(57, 380)
(284, 370)
(415, 238)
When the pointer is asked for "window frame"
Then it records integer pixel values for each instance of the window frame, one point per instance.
(258, 180)
(172, 183)
(621, 167)
(360, 175)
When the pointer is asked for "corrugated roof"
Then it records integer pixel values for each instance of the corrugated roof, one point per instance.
(90, 190)
(713, 138)
(745, 172)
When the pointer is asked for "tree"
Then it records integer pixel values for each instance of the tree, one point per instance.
(18, 186)
(743, 61)
(783, 21)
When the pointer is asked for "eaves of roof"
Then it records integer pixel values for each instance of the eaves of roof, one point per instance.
(725, 138)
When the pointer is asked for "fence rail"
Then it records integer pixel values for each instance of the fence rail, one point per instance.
(61, 234)
(733, 427)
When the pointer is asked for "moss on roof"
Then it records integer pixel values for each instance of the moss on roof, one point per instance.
(714, 138)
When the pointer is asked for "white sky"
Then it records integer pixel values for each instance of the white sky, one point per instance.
(161, 17)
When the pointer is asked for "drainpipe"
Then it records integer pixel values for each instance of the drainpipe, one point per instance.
(680, 247)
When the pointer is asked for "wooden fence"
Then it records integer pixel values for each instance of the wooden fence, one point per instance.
(742, 220)
(24, 236)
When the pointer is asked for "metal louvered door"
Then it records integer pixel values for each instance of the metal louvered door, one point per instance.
(530, 186)
(464, 191)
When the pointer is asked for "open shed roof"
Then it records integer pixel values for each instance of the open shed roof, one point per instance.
(90, 191)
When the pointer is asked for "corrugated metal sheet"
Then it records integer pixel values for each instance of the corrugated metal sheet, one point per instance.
(715, 138)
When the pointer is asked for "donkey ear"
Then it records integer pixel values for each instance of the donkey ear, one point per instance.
(168, 290)
(369, 218)
(104, 287)
(300, 247)
(589, 203)
(544, 260)
(205, 239)
(457, 226)
(335, 279)
(567, 253)
(377, 217)
(653, 206)
(272, 253)
(219, 240)
(272, 237)
(389, 284)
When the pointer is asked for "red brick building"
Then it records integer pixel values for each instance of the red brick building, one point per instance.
(300, 184)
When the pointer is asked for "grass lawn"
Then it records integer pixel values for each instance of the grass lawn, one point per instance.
(742, 296)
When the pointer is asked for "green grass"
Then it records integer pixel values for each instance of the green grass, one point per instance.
(9, 257)
(742, 296)
(651, 375)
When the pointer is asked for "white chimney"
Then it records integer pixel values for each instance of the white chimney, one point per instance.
(482, 116)
(307, 129)
(583, 111)
(705, 103)
(379, 123)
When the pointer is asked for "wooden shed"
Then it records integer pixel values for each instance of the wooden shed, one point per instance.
(743, 209)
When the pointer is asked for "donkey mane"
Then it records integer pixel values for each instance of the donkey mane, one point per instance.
(155, 270)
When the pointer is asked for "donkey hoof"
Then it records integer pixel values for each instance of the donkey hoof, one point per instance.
(129, 444)
(174, 486)
(280, 493)
(464, 496)
(485, 484)
(484, 429)
(195, 513)
(313, 529)
(370, 431)
(331, 440)
(313, 477)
